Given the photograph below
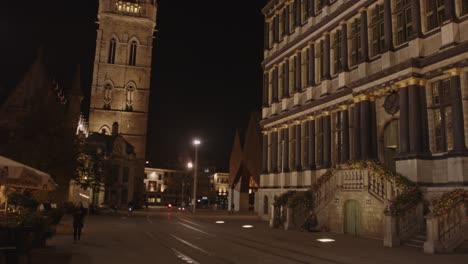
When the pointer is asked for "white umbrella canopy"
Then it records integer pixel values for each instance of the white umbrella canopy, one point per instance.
(18, 175)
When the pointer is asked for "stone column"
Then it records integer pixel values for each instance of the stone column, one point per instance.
(311, 66)
(373, 131)
(404, 119)
(459, 145)
(265, 152)
(388, 32)
(326, 140)
(357, 130)
(345, 127)
(364, 35)
(286, 78)
(280, 151)
(311, 146)
(297, 156)
(414, 119)
(416, 19)
(326, 66)
(344, 46)
(274, 151)
(275, 84)
(365, 127)
(286, 148)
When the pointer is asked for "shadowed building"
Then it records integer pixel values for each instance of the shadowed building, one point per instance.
(357, 81)
(245, 167)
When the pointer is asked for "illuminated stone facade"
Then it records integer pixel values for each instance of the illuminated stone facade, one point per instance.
(349, 80)
(122, 68)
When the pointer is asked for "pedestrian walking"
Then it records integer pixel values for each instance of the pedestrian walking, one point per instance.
(79, 213)
(232, 208)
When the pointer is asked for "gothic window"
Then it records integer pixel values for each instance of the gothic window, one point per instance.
(321, 60)
(404, 27)
(442, 115)
(356, 41)
(318, 5)
(464, 7)
(319, 143)
(435, 13)
(133, 53)
(378, 30)
(292, 146)
(337, 58)
(112, 47)
(129, 98)
(107, 96)
(337, 136)
(285, 22)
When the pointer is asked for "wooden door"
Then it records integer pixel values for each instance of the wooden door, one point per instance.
(352, 217)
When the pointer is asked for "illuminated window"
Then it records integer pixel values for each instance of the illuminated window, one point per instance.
(356, 41)
(129, 98)
(404, 27)
(464, 7)
(442, 116)
(112, 47)
(337, 136)
(107, 96)
(378, 30)
(133, 53)
(337, 58)
(435, 13)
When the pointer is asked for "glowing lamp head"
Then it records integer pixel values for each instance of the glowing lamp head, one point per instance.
(190, 165)
(196, 142)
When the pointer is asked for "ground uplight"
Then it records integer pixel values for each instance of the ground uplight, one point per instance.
(247, 226)
(220, 222)
(326, 240)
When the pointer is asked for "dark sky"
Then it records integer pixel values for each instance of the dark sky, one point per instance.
(206, 76)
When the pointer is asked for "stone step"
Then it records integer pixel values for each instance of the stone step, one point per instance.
(413, 243)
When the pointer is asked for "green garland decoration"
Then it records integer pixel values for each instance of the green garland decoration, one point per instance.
(448, 201)
(409, 196)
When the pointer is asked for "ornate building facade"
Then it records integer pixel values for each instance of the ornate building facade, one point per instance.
(122, 68)
(350, 80)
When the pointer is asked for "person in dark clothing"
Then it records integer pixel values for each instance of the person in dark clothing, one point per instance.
(78, 221)
(311, 223)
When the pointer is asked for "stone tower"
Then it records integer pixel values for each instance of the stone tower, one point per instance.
(122, 69)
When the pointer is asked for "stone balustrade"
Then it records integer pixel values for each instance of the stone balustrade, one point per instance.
(446, 232)
(399, 228)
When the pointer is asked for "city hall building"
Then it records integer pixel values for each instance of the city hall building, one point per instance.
(350, 80)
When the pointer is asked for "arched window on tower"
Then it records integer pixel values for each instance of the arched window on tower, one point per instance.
(107, 96)
(112, 47)
(129, 98)
(133, 53)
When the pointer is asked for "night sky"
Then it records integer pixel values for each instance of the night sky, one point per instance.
(206, 75)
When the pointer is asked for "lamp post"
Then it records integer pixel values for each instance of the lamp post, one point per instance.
(189, 167)
(196, 143)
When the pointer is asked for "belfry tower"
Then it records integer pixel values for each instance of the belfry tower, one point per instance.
(122, 69)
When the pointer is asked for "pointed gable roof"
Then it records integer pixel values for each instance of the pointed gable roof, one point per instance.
(235, 162)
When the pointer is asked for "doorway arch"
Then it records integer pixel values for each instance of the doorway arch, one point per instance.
(352, 217)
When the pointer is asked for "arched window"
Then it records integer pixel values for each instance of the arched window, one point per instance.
(112, 47)
(107, 96)
(133, 51)
(129, 98)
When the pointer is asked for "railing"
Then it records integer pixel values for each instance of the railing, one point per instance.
(353, 179)
(410, 221)
(325, 193)
(446, 232)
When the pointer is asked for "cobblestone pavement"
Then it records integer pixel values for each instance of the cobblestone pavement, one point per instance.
(160, 236)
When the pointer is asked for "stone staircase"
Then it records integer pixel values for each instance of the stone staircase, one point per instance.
(417, 241)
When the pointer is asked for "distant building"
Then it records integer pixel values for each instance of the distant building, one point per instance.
(120, 166)
(38, 120)
(164, 186)
(245, 167)
(220, 185)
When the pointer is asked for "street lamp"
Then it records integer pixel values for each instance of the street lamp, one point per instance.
(196, 143)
